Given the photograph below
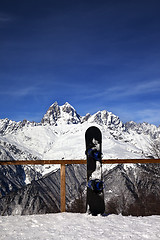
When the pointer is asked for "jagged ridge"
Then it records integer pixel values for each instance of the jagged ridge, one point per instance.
(59, 135)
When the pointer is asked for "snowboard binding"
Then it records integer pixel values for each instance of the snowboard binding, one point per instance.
(96, 185)
(94, 150)
(93, 153)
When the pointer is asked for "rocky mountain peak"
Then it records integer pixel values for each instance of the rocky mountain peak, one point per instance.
(66, 114)
(60, 114)
(52, 114)
(67, 108)
(104, 118)
(145, 128)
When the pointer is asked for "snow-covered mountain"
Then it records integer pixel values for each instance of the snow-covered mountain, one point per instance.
(60, 135)
(61, 114)
(61, 132)
(57, 115)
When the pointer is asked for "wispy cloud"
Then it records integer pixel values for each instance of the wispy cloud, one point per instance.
(146, 87)
(141, 108)
(20, 92)
(5, 17)
(139, 114)
(126, 90)
(40, 88)
(149, 115)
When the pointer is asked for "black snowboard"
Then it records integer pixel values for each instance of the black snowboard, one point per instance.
(95, 196)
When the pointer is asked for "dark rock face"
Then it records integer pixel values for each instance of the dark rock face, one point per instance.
(129, 191)
(135, 191)
(43, 196)
(51, 115)
(12, 178)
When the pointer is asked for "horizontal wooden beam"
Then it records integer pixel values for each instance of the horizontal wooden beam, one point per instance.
(42, 162)
(104, 161)
(115, 161)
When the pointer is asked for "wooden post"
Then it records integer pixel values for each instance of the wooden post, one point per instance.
(63, 189)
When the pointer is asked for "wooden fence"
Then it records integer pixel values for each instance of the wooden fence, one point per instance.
(64, 162)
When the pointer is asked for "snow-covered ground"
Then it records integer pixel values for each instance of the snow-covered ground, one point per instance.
(78, 226)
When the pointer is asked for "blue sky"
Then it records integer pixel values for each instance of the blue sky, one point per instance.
(94, 54)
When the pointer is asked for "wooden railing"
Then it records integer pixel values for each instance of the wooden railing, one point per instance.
(105, 161)
(64, 162)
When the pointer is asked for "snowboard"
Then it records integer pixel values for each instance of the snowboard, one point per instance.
(95, 195)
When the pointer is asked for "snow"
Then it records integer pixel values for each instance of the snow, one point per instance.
(78, 226)
(66, 141)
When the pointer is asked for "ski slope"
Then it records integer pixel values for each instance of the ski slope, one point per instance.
(78, 226)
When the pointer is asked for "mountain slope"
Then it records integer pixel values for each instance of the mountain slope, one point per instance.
(43, 195)
(60, 135)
